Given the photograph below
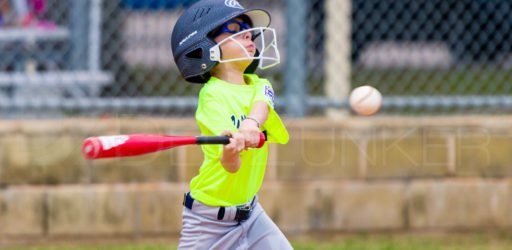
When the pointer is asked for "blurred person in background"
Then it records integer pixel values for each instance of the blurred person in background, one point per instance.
(24, 13)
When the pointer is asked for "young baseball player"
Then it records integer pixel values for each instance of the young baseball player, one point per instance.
(220, 44)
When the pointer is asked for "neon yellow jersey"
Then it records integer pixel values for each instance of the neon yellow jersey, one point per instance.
(223, 106)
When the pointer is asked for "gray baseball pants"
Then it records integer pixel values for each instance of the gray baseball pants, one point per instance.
(202, 229)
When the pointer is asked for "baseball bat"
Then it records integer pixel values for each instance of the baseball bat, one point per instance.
(139, 144)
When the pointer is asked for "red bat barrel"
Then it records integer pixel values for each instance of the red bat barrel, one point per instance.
(131, 145)
(138, 144)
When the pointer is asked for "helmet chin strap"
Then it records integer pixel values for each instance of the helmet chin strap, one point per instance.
(215, 53)
(254, 64)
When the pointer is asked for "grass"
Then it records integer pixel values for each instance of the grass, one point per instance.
(406, 242)
(468, 241)
(463, 81)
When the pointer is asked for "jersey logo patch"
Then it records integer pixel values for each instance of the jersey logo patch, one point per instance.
(233, 4)
(237, 121)
(269, 92)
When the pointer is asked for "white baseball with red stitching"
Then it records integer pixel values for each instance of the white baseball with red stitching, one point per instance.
(365, 100)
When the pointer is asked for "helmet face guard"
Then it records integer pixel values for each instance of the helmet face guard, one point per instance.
(265, 41)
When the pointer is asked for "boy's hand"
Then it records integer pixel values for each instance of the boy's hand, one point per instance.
(251, 133)
(236, 143)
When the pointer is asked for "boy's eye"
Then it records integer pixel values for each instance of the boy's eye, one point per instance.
(234, 27)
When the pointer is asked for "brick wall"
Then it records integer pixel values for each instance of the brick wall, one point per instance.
(372, 174)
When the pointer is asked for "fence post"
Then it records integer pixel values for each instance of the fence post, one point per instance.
(296, 51)
(337, 53)
(78, 28)
(95, 35)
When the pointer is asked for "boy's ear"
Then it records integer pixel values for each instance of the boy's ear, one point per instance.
(254, 65)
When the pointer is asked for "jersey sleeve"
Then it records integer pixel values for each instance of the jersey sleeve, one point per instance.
(276, 131)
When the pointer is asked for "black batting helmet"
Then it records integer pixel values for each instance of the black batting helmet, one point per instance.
(190, 42)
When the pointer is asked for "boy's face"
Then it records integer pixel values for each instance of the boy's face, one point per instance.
(231, 49)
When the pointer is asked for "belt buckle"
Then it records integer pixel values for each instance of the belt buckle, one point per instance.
(243, 212)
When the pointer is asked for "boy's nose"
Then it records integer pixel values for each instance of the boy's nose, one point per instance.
(247, 35)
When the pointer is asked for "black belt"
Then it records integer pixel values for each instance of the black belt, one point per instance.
(243, 212)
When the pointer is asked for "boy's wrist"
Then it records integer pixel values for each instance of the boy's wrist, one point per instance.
(253, 119)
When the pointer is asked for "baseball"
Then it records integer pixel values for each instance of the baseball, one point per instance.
(365, 100)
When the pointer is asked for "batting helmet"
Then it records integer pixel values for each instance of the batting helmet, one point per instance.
(191, 43)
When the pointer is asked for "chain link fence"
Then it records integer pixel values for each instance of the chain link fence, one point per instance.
(449, 56)
(69, 58)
